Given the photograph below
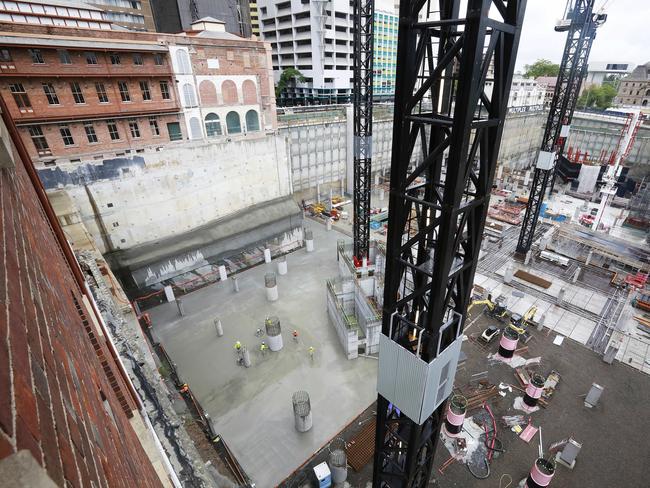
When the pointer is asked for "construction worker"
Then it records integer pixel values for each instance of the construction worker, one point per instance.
(238, 346)
(264, 347)
(311, 352)
(295, 335)
(185, 388)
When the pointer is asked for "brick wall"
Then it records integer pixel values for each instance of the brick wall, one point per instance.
(61, 394)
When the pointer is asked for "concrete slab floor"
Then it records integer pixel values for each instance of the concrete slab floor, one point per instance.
(251, 407)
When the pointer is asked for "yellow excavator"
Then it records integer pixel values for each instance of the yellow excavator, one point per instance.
(520, 323)
(496, 308)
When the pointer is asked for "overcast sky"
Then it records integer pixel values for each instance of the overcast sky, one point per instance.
(624, 37)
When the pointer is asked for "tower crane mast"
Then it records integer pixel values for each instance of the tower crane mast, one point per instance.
(580, 23)
(364, 12)
(446, 135)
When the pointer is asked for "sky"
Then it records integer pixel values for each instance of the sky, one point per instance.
(625, 37)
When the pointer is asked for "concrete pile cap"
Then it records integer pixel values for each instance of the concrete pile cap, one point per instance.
(301, 403)
(272, 325)
(270, 280)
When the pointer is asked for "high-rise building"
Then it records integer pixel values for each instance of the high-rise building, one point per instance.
(132, 14)
(384, 54)
(315, 38)
(178, 15)
(599, 72)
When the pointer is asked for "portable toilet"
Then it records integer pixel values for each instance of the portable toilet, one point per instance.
(323, 475)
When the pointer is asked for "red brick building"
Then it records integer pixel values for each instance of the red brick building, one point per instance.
(88, 94)
(63, 394)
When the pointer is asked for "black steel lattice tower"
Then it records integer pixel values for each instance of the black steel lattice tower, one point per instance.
(581, 32)
(364, 11)
(446, 137)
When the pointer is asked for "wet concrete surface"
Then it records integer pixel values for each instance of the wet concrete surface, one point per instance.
(251, 407)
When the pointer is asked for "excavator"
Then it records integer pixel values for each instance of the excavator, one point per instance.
(496, 308)
(520, 323)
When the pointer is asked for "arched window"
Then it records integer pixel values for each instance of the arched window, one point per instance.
(212, 125)
(195, 128)
(188, 95)
(252, 121)
(229, 92)
(647, 93)
(183, 61)
(208, 94)
(233, 123)
(250, 93)
(645, 103)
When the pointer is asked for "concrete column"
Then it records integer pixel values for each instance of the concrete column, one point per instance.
(589, 256)
(235, 284)
(169, 293)
(507, 277)
(223, 274)
(267, 255)
(309, 240)
(528, 256)
(328, 222)
(271, 285)
(540, 321)
(246, 357)
(576, 275)
(179, 304)
(560, 295)
(282, 266)
(218, 327)
(317, 192)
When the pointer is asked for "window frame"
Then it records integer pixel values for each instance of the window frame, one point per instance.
(64, 56)
(36, 134)
(138, 59)
(77, 94)
(134, 129)
(91, 134)
(123, 88)
(52, 97)
(115, 59)
(91, 58)
(21, 98)
(154, 126)
(100, 89)
(164, 90)
(113, 130)
(37, 56)
(66, 137)
(145, 90)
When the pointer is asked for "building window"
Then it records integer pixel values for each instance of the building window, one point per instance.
(158, 59)
(233, 123)
(77, 94)
(174, 130)
(137, 59)
(115, 58)
(38, 138)
(91, 57)
(90, 133)
(66, 135)
(101, 92)
(144, 88)
(134, 128)
(183, 62)
(252, 121)
(153, 125)
(212, 125)
(124, 91)
(37, 56)
(195, 128)
(20, 95)
(188, 95)
(164, 90)
(50, 93)
(64, 57)
(112, 130)
(5, 55)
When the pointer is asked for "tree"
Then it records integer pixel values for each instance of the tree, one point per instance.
(288, 75)
(597, 96)
(541, 67)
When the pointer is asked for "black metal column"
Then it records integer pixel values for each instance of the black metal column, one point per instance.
(446, 137)
(364, 11)
(580, 37)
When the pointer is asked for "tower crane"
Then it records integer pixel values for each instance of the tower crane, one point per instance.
(446, 135)
(580, 23)
(363, 13)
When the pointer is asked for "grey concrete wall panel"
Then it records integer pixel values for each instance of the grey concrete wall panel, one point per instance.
(85, 174)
